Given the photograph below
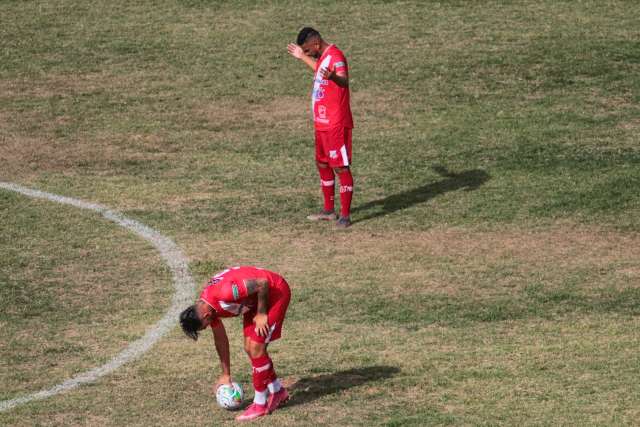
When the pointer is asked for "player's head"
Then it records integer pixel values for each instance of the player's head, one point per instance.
(195, 318)
(310, 42)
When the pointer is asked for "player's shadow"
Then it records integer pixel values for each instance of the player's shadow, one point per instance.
(310, 388)
(468, 180)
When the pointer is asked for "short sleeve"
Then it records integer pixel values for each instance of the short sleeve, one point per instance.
(340, 64)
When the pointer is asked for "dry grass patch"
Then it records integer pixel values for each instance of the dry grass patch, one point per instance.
(441, 260)
(26, 158)
(64, 85)
(238, 118)
(375, 110)
(630, 125)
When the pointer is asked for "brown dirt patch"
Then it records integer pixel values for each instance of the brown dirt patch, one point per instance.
(282, 112)
(442, 260)
(379, 109)
(630, 125)
(63, 85)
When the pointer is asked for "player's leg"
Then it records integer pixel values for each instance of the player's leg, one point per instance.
(346, 194)
(262, 375)
(269, 393)
(263, 372)
(340, 163)
(327, 180)
(327, 183)
(279, 297)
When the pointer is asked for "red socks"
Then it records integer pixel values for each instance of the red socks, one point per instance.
(327, 181)
(346, 192)
(263, 372)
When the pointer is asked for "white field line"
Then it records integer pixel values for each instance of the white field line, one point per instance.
(183, 284)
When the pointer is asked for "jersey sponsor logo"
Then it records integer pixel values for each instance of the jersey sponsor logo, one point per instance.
(318, 93)
(235, 291)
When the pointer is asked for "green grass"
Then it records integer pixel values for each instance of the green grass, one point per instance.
(490, 277)
(75, 292)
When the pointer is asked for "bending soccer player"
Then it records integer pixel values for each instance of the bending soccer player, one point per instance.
(262, 297)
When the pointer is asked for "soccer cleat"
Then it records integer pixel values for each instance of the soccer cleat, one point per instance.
(277, 399)
(323, 216)
(343, 222)
(252, 412)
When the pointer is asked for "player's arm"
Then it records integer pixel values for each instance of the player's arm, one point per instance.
(341, 79)
(297, 52)
(260, 287)
(222, 347)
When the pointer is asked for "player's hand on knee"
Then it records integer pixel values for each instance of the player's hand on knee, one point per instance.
(262, 326)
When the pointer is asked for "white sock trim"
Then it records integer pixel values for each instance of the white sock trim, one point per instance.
(260, 397)
(275, 386)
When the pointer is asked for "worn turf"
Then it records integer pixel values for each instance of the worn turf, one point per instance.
(491, 275)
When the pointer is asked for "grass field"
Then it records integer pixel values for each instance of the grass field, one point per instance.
(492, 274)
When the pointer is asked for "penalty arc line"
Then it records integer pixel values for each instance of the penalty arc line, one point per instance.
(183, 284)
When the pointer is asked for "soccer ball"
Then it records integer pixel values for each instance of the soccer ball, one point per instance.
(229, 396)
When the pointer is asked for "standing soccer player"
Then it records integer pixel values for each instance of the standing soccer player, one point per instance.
(262, 297)
(330, 106)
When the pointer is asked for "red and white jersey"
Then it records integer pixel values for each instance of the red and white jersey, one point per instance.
(227, 292)
(330, 103)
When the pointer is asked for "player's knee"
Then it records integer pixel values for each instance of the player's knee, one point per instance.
(255, 349)
(322, 165)
(341, 169)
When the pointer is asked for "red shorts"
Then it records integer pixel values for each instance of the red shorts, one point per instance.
(333, 146)
(279, 297)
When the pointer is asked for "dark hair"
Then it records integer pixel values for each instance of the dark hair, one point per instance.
(190, 322)
(306, 34)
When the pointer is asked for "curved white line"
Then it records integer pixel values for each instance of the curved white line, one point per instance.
(183, 284)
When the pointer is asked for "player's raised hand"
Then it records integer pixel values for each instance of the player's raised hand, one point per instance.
(295, 50)
(326, 74)
(262, 326)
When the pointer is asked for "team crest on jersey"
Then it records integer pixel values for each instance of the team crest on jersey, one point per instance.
(235, 291)
(333, 154)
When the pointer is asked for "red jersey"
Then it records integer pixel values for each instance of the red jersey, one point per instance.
(330, 103)
(227, 292)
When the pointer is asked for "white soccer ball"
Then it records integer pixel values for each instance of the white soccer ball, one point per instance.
(229, 396)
